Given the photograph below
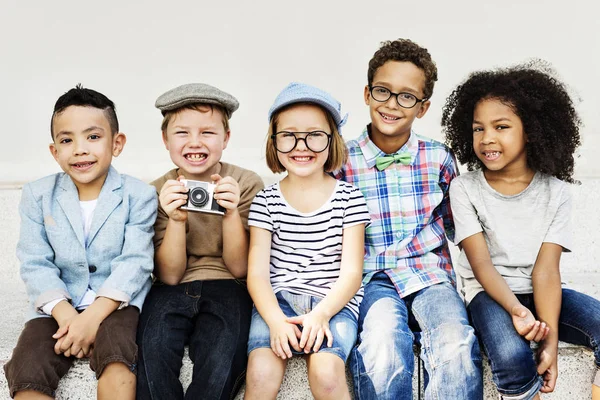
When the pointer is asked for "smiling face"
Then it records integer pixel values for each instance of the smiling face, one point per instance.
(498, 138)
(391, 124)
(196, 139)
(84, 146)
(303, 118)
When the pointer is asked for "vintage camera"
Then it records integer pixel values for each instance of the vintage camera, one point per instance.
(200, 197)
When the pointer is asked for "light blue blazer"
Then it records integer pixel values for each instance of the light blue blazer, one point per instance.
(118, 258)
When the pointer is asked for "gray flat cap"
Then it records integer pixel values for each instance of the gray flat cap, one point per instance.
(192, 93)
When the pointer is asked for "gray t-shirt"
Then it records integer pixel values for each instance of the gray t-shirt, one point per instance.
(514, 226)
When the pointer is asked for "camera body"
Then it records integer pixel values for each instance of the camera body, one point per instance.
(200, 197)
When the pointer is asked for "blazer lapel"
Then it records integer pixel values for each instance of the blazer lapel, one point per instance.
(108, 200)
(68, 200)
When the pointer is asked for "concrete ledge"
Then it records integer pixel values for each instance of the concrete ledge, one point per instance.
(579, 271)
(575, 369)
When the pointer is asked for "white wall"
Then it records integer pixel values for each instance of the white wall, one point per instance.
(135, 50)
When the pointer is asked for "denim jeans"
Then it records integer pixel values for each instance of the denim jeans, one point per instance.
(382, 363)
(213, 318)
(513, 363)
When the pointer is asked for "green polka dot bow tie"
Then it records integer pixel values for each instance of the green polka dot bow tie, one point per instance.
(385, 161)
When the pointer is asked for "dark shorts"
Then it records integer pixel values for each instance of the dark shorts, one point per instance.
(35, 366)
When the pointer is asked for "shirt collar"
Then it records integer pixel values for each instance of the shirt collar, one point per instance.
(370, 151)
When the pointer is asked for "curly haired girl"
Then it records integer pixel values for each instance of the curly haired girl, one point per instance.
(516, 129)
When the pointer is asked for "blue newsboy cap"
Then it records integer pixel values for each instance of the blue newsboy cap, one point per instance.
(302, 93)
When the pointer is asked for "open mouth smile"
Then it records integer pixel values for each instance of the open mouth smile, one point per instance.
(83, 166)
(491, 155)
(302, 159)
(389, 117)
(195, 157)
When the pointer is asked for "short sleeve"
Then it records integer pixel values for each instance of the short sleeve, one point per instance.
(559, 231)
(466, 221)
(260, 215)
(250, 184)
(356, 211)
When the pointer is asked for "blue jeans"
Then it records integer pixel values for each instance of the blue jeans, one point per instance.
(513, 363)
(382, 363)
(343, 325)
(213, 318)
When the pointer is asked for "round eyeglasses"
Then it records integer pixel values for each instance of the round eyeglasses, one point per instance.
(404, 99)
(315, 141)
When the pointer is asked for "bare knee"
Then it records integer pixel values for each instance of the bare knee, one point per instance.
(116, 381)
(31, 395)
(327, 377)
(264, 374)
(117, 371)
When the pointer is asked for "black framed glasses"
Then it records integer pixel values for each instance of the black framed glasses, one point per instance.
(315, 141)
(404, 99)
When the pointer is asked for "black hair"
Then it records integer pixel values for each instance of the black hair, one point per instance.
(537, 97)
(80, 96)
(409, 51)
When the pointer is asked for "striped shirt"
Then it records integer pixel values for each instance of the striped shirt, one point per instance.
(306, 248)
(410, 213)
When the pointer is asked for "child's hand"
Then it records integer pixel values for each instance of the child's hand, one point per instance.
(173, 195)
(227, 193)
(61, 334)
(282, 336)
(78, 337)
(547, 365)
(64, 313)
(315, 327)
(526, 324)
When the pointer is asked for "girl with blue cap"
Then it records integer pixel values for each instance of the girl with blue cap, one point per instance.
(306, 250)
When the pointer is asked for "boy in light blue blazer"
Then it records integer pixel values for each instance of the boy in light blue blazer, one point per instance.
(86, 256)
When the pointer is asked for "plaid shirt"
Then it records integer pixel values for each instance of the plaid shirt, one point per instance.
(410, 211)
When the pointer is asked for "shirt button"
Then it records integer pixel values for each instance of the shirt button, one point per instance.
(398, 235)
(92, 268)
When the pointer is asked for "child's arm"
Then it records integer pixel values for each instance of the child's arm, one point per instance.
(283, 334)
(130, 271)
(235, 237)
(547, 291)
(547, 296)
(316, 323)
(171, 255)
(41, 276)
(448, 172)
(495, 286)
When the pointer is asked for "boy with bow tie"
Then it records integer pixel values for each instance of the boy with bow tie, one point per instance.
(410, 295)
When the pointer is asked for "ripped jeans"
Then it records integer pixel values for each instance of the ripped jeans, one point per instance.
(382, 363)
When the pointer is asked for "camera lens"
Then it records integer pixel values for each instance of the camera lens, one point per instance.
(198, 196)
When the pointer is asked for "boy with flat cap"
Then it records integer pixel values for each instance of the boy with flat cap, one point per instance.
(198, 298)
